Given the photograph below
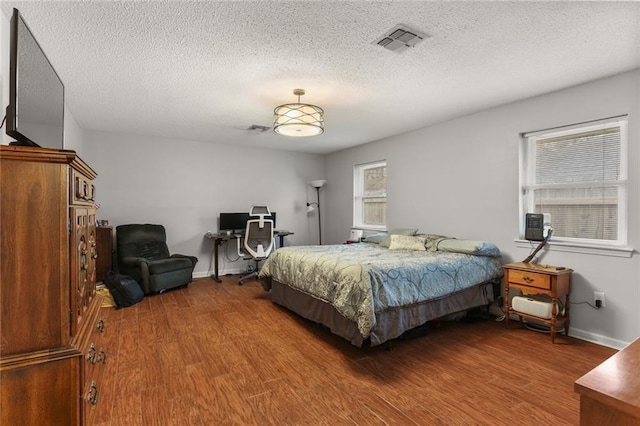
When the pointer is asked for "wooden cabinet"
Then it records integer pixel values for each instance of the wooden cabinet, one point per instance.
(83, 262)
(531, 278)
(104, 237)
(49, 306)
(34, 273)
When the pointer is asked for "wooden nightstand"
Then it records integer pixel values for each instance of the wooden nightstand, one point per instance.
(530, 278)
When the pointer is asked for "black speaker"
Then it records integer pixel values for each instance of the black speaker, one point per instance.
(534, 226)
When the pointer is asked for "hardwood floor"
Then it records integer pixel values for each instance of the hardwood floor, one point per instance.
(214, 354)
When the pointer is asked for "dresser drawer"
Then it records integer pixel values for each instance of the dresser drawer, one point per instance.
(83, 190)
(40, 391)
(530, 279)
(91, 399)
(95, 356)
(91, 343)
(94, 359)
(94, 350)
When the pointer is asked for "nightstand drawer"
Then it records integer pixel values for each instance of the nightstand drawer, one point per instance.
(530, 279)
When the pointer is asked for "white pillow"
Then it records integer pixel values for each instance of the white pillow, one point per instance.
(475, 247)
(406, 242)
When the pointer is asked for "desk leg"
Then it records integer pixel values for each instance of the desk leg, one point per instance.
(506, 299)
(216, 244)
(567, 322)
(554, 318)
(281, 238)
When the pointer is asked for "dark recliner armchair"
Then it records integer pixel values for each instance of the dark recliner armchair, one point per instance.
(143, 254)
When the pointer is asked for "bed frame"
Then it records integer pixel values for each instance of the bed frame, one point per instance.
(391, 323)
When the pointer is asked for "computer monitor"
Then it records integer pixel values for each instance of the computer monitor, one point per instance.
(238, 221)
(233, 221)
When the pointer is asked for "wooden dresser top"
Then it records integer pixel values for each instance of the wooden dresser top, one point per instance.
(616, 381)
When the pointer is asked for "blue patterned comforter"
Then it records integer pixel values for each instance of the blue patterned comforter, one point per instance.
(359, 280)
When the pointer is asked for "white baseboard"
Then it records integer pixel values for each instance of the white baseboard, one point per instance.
(201, 274)
(235, 271)
(597, 338)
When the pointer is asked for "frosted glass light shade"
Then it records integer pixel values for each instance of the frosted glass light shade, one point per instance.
(317, 183)
(298, 120)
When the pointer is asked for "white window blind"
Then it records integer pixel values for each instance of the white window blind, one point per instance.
(577, 175)
(370, 195)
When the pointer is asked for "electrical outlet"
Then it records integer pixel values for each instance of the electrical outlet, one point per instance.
(597, 295)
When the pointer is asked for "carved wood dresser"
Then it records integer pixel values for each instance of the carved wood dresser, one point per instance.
(51, 328)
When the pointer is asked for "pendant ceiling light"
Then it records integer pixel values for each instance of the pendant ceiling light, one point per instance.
(298, 119)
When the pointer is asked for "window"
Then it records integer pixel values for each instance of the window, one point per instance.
(370, 195)
(577, 175)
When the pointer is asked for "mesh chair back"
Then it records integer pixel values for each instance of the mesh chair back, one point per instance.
(259, 211)
(258, 238)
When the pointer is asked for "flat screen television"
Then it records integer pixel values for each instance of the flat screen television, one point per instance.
(35, 114)
(238, 221)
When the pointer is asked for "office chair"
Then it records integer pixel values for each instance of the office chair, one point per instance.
(258, 238)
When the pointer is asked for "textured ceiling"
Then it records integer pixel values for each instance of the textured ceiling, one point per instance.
(206, 71)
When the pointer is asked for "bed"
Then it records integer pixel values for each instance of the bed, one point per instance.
(371, 293)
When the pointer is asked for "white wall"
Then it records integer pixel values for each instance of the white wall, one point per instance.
(184, 185)
(460, 178)
(73, 134)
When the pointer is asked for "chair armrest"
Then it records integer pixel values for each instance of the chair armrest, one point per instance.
(193, 259)
(138, 269)
(133, 261)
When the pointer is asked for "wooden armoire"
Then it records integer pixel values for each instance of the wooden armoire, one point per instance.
(51, 330)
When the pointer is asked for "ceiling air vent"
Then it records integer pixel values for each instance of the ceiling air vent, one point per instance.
(399, 38)
(258, 128)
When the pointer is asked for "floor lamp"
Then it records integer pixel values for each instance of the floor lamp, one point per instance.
(317, 184)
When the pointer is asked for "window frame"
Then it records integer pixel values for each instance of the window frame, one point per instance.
(358, 195)
(527, 187)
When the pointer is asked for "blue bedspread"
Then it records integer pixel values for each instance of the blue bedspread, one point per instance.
(362, 279)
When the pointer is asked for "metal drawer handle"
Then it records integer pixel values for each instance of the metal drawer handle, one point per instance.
(91, 354)
(92, 395)
(102, 356)
(528, 279)
(84, 262)
(100, 325)
(78, 188)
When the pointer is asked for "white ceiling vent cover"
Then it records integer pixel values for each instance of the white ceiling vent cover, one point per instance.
(258, 128)
(399, 38)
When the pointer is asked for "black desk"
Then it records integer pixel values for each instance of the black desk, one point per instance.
(219, 239)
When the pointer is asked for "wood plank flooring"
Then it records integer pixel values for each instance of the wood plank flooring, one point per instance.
(223, 354)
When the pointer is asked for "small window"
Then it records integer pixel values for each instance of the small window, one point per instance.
(577, 176)
(370, 196)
